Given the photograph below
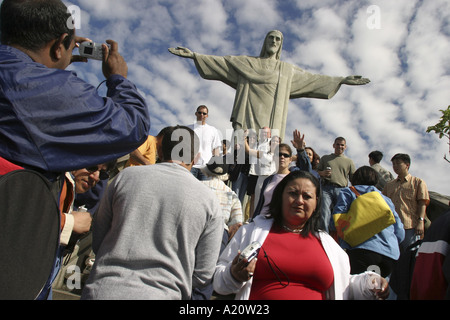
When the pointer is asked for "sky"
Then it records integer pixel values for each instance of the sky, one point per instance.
(402, 46)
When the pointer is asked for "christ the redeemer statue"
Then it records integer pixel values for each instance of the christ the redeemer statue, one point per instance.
(265, 84)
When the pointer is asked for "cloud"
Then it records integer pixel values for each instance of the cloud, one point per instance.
(405, 56)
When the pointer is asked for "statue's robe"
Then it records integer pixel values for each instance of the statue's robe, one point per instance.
(264, 87)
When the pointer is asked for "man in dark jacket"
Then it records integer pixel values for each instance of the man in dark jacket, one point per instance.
(50, 120)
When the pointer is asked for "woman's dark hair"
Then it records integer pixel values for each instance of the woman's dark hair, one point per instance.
(32, 24)
(283, 146)
(276, 205)
(316, 158)
(364, 175)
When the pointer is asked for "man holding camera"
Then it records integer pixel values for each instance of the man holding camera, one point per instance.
(51, 121)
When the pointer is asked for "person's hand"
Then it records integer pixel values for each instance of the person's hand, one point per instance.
(182, 52)
(382, 292)
(82, 222)
(420, 228)
(325, 173)
(298, 140)
(113, 62)
(355, 81)
(242, 270)
(76, 57)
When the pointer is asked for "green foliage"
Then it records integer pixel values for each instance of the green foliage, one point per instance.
(442, 128)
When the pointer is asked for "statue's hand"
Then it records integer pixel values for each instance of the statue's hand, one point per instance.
(355, 81)
(182, 52)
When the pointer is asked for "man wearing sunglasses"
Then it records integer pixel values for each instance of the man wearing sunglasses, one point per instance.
(210, 141)
(82, 181)
(87, 178)
(86, 187)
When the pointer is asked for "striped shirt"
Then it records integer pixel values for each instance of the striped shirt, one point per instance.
(229, 201)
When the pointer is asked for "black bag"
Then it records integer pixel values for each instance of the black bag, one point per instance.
(401, 276)
(29, 234)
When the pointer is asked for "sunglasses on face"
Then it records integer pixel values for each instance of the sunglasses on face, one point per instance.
(202, 113)
(285, 155)
(104, 175)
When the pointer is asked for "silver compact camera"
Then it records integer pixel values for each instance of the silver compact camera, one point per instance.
(250, 252)
(91, 50)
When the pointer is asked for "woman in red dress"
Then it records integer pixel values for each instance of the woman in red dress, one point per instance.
(296, 259)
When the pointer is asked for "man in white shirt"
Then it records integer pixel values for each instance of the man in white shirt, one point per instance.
(210, 141)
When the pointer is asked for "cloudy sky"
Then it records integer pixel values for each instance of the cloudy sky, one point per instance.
(402, 46)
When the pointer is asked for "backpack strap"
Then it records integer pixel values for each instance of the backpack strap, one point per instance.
(355, 191)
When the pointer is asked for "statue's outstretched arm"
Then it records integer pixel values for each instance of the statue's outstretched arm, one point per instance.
(355, 81)
(182, 52)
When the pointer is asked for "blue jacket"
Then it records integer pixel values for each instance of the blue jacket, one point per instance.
(385, 242)
(303, 163)
(53, 121)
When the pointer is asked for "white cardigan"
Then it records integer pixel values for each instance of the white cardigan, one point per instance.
(345, 286)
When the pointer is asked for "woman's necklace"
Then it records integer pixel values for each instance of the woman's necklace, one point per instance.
(292, 230)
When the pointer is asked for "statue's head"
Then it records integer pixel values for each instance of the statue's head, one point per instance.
(272, 41)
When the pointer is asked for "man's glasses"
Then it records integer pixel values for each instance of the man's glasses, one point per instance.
(202, 113)
(285, 155)
(104, 175)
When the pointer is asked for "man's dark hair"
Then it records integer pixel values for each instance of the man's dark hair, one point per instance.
(376, 156)
(32, 24)
(402, 157)
(180, 143)
(340, 139)
(202, 107)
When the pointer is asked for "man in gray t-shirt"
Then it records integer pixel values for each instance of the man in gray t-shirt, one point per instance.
(335, 171)
(158, 230)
